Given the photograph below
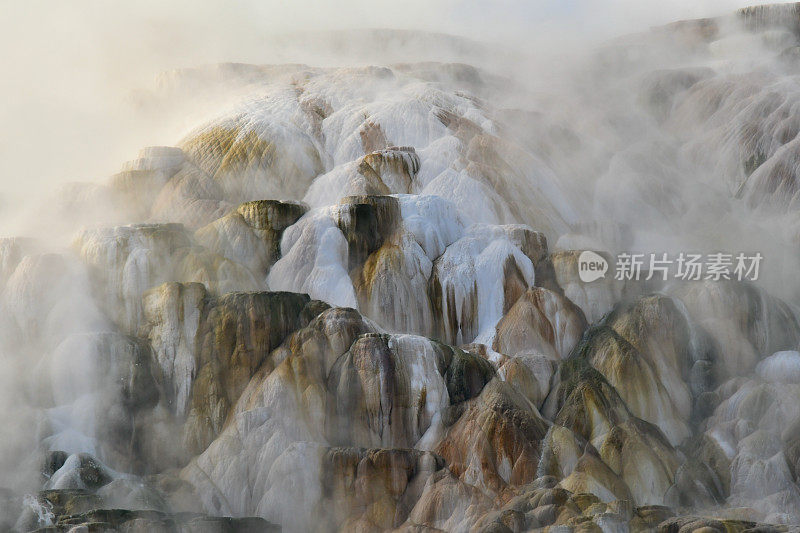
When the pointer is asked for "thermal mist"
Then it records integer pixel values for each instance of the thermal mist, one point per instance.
(362, 268)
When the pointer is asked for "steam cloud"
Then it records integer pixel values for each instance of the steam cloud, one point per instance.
(613, 137)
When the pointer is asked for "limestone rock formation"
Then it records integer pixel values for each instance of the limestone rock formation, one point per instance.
(540, 322)
(207, 348)
(350, 299)
(495, 440)
(251, 235)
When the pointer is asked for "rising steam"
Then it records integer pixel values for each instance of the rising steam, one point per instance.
(339, 289)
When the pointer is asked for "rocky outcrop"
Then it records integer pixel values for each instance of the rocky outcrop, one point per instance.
(136, 187)
(113, 369)
(409, 264)
(754, 427)
(126, 261)
(494, 443)
(540, 322)
(589, 406)
(71, 510)
(207, 348)
(251, 235)
(476, 279)
(392, 170)
(595, 299)
(391, 391)
(771, 16)
(743, 323)
(259, 152)
(338, 382)
(644, 350)
(529, 374)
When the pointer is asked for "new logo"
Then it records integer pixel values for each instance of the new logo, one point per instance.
(591, 266)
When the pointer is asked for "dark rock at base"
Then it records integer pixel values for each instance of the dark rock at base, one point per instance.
(128, 521)
(466, 373)
(497, 527)
(231, 525)
(545, 514)
(80, 471)
(707, 525)
(109, 516)
(58, 502)
(52, 462)
(70, 501)
(650, 516)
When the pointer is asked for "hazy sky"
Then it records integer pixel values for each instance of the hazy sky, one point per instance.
(67, 64)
